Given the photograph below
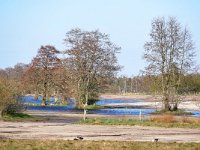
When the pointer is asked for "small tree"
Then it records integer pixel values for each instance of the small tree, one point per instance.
(169, 53)
(91, 60)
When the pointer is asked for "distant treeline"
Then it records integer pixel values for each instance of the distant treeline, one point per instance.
(146, 84)
(149, 84)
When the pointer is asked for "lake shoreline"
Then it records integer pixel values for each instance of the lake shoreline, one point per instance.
(129, 97)
(189, 102)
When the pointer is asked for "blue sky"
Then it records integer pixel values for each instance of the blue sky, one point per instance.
(27, 24)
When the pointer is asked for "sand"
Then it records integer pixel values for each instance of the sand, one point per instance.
(188, 103)
(54, 131)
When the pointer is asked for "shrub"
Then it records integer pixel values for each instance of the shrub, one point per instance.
(13, 109)
(9, 93)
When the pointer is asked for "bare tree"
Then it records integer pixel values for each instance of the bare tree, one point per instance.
(169, 53)
(63, 81)
(92, 60)
(43, 68)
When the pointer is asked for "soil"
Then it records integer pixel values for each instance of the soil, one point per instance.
(54, 131)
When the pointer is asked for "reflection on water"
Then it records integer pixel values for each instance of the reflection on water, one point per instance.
(70, 108)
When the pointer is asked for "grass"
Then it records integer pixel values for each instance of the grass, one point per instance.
(157, 121)
(179, 112)
(91, 107)
(93, 145)
(22, 117)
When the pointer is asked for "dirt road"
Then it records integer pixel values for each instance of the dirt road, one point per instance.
(41, 130)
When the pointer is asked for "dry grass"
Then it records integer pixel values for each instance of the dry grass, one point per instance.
(163, 118)
(188, 120)
(173, 119)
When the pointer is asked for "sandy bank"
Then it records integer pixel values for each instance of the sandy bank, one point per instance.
(189, 102)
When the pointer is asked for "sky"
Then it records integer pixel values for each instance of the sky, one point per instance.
(25, 25)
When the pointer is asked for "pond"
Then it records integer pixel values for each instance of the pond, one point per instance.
(71, 107)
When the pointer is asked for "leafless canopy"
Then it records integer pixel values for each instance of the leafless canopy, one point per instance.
(42, 69)
(169, 53)
(92, 60)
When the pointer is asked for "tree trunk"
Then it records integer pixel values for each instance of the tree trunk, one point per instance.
(86, 100)
(85, 105)
(44, 100)
(44, 95)
(167, 106)
(84, 114)
(36, 95)
(175, 107)
(1, 114)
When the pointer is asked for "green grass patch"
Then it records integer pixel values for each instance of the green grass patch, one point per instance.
(91, 107)
(182, 123)
(93, 145)
(179, 112)
(22, 117)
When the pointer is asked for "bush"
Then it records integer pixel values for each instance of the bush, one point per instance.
(13, 109)
(9, 94)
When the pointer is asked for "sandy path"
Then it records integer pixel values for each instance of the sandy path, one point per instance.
(41, 130)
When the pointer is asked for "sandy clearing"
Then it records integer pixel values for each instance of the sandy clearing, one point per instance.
(189, 105)
(126, 97)
(53, 131)
(190, 102)
(144, 97)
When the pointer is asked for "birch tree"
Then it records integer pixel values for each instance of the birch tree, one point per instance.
(169, 53)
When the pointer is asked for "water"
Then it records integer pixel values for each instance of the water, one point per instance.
(195, 113)
(123, 111)
(114, 101)
(70, 108)
(31, 100)
(67, 108)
